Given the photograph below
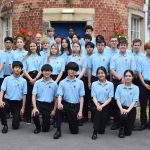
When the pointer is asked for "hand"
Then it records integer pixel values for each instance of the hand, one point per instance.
(22, 112)
(32, 81)
(52, 113)
(60, 106)
(124, 111)
(79, 115)
(89, 85)
(35, 111)
(122, 80)
(99, 107)
(147, 86)
(2, 104)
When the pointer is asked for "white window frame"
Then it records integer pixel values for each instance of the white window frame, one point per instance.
(6, 26)
(135, 27)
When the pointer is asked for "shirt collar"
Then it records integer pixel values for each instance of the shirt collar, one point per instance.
(103, 84)
(129, 87)
(50, 81)
(125, 54)
(13, 77)
(75, 79)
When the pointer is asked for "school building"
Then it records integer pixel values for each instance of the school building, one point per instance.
(38, 15)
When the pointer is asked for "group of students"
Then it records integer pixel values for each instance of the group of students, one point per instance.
(61, 81)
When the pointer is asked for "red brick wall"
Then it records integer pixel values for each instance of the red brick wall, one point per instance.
(28, 13)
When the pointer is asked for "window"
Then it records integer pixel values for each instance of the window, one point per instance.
(135, 28)
(6, 27)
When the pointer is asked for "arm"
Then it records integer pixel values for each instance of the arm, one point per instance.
(59, 77)
(89, 77)
(106, 102)
(35, 110)
(23, 105)
(79, 115)
(131, 106)
(60, 106)
(81, 73)
(55, 107)
(1, 99)
(1, 67)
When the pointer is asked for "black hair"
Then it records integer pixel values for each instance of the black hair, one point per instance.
(76, 35)
(72, 66)
(47, 67)
(89, 44)
(100, 37)
(103, 69)
(88, 27)
(69, 47)
(122, 40)
(17, 64)
(130, 71)
(88, 36)
(9, 39)
(100, 41)
(57, 36)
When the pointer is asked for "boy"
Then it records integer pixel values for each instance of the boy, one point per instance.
(44, 99)
(15, 88)
(144, 76)
(70, 100)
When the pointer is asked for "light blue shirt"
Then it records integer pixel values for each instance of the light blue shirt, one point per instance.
(15, 88)
(80, 60)
(65, 55)
(98, 60)
(18, 55)
(108, 51)
(44, 54)
(120, 63)
(58, 64)
(51, 41)
(137, 56)
(2, 61)
(144, 67)
(82, 41)
(102, 91)
(127, 95)
(45, 91)
(71, 90)
(7, 68)
(33, 62)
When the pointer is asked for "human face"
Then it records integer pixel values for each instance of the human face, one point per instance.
(33, 48)
(89, 49)
(38, 38)
(76, 48)
(136, 47)
(75, 39)
(20, 44)
(122, 47)
(50, 33)
(128, 78)
(58, 40)
(17, 70)
(113, 43)
(45, 45)
(54, 50)
(148, 52)
(70, 32)
(64, 44)
(8, 45)
(46, 74)
(88, 31)
(101, 75)
(71, 73)
(100, 47)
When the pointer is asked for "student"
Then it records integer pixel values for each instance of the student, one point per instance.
(79, 59)
(75, 39)
(127, 96)
(96, 60)
(44, 99)
(46, 50)
(32, 66)
(65, 49)
(144, 76)
(15, 89)
(57, 63)
(50, 35)
(8, 51)
(71, 31)
(137, 54)
(38, 39)
(70, 100)
(102, 92)
(20, 52)
(89, 46)
(58, 39)
(119, 63)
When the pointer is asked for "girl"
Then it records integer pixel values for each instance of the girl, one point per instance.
(32, 65)
(102, 92)
(127, 95)
(57, 63)
(79, 59)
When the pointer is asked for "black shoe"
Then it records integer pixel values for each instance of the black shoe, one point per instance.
(121, 133)
(5, 129)
(36, 131)
(57, 134)
(101, 132)
(94, 136)
(142, 127)
(114, 126)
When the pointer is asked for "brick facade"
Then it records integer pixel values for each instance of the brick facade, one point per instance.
(28, 13)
